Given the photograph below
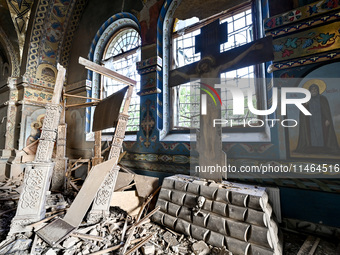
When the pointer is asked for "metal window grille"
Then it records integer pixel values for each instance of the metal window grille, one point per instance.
(123, 43)
(187, 98)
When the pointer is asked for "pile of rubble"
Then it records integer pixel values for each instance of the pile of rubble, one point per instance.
(109, 237)
(10, 189)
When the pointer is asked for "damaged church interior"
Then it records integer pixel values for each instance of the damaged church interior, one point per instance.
(170, 127)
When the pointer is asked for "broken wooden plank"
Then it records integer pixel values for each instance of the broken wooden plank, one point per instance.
(123, 180)
(314, 247)
(135, 225)
(306, 245)
(88, 237)
(147, 239)
(105, 71)
(76, 96)
(126, 187)
(46, 219)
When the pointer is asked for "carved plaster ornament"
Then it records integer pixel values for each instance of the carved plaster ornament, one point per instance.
(199, 206)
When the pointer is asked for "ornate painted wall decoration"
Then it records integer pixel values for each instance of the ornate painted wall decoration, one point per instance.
(72, 27)
(301, 13)
(258, 148)
(169, 146)
(46, 72)
(158, 158)
(20, 11)
(308, 23)
(148, 124)
(306, 43)
(36, 35)
(306, 60)
(47, 36)
(35, 95)
(168, 168)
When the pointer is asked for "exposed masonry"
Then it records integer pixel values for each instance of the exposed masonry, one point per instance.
(234, 215)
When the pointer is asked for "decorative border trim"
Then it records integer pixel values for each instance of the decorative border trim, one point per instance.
(299, 26)
(149, 91)
(306, 61)
(149, 62)
(301, 13)
(149, 70)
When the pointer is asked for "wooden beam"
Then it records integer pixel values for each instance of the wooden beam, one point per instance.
(314, 247)
(91, 98)
(106, 72)
(306, 245)
(74, 106)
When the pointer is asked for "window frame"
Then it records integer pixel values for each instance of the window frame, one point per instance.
(259, 133)
(118, 57)
(100, 41)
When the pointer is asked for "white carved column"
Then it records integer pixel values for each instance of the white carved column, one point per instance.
(31, 205)
(58, 176)
(101, 203)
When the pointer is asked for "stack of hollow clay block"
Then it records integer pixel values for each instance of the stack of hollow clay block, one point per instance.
(234, 216)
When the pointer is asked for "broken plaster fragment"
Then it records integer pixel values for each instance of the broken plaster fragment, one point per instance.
(200, 248)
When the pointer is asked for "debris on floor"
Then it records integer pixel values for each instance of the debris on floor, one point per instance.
(124, 233)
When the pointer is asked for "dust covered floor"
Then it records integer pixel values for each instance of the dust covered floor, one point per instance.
(111, 233)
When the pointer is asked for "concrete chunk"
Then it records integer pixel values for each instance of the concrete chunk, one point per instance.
(200, 248)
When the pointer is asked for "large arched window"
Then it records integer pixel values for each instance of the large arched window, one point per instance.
(116, 46)
(121, 56)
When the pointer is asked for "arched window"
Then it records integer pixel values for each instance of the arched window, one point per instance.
(121, 55)
(116, 46)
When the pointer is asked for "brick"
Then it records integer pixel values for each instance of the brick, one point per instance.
(177, 197)
(216, 239)
(198, 232)
(190, 200)
(168, 183)
(180, 185)
(183, 226)
(207, 205)
(237, 212)
(220, 208)
(163, 205)
(237, 229)
(217, 224)
(169, 221)
(208, 192)
(193, 188)
(239, 199)
(201, 220)
(254, 202)
(158, 217)
(255, 217)
(223, 195)
(185, 213)
(259, 235)
(173, 209)
(256, 250)
(237, 246)
(165, 194)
